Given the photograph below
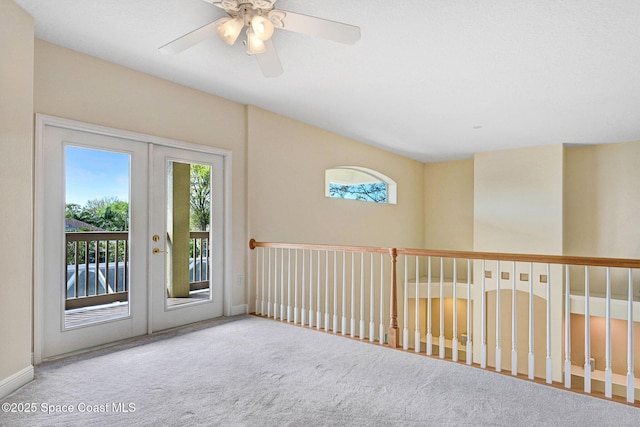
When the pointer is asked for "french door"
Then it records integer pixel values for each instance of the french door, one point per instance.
(187, 232)
(129, 236)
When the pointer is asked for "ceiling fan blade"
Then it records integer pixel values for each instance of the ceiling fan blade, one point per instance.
(269, 61)
(192, 38)
(234, 4)
(313, 26)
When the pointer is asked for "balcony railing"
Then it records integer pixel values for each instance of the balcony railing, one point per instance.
(97, 267)
(568, 321)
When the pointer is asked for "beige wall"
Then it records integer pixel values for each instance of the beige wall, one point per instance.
(287, 160)
(518, 200)
(16, 208)
(75, 86)
(449, 205)
(602, 200)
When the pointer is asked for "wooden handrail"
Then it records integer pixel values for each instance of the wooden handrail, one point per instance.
(199, 234)
(92, 236)
(490, 256)
(340, 248)
(542, 259)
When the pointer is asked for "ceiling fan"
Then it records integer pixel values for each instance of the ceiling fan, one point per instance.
(261, 19)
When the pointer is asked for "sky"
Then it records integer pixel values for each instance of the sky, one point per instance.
(95, 174)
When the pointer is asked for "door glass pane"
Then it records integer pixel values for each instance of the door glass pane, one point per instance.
(188, 233)
(97, 186)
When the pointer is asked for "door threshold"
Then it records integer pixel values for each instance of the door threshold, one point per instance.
(88, 353)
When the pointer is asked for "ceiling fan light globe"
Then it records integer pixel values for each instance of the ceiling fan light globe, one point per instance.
(254, 44)
(230, 30)
(262, 27)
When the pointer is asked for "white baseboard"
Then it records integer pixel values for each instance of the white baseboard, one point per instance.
(239, 309)
(15, 381)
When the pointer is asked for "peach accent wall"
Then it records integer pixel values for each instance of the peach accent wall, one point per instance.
(618, 343)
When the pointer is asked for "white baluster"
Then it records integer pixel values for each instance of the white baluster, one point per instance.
(381, 324)
(289, 285)
(405, 306)
(335, 291)
(567, 328)
(269, 287)
(429, 335)
(608, 377)
(361, 330)
(548, 359)
(372, 303)
(531, 356)
(282, 313)
(275, 283)
(318, 300)
(417, 334)
(498, 320)
(483, 319)
(343, 328)
(296, 313)
(311, 289)
(263, 285)
(352, 326)
(587, 334)
(514, 323)
(469, 328)
(326, 291)
(441, 337)
(303, 285)
(630, 363)
(454, 341)
(258, 280)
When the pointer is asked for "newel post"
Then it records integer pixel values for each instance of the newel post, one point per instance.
(393, 325)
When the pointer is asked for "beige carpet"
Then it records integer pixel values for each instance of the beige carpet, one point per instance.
(257, 372)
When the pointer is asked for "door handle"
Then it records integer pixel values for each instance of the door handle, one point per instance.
(156, 251)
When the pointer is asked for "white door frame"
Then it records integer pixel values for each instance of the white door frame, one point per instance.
(42, 121)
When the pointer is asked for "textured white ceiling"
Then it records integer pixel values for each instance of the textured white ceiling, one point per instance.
(432, 80)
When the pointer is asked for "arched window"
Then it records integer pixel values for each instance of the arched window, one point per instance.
(358, 183)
